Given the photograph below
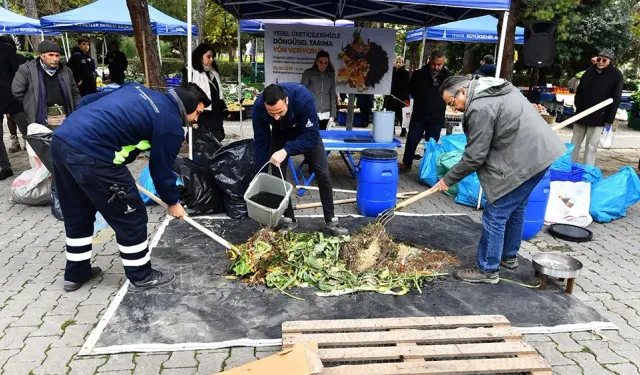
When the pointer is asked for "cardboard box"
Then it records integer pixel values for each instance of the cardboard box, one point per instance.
(301, 359)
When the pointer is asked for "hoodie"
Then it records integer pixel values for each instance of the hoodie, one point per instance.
(508, 142)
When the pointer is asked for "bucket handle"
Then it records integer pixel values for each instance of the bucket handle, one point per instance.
(281, 176)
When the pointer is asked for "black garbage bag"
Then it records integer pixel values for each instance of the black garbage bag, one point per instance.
(41, 145)
(233, 169)
(205, 144)
(200, 194)
(56, 211)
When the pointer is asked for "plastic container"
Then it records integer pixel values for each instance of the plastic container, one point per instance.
(536, 208)
(267, 183)
(383, 126)
(377, 181)
(574, 176)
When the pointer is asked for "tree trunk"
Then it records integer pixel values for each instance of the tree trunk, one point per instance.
(636, 61)
(145, 44)
(232, 49)
(31, 11)
(468, 63)
(200, 12)
(506, 70)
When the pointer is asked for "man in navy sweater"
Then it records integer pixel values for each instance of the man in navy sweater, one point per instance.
(285, 123)
(90, 152)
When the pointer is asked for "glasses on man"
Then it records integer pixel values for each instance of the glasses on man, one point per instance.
(602, 59)
(454, 99)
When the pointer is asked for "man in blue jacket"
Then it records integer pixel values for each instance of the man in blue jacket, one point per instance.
(90, 152)
(285, 123)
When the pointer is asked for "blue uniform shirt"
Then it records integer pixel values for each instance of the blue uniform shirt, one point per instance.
(300, 124)
(115, 127)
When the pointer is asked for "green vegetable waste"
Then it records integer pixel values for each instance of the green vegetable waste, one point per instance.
(367, 261)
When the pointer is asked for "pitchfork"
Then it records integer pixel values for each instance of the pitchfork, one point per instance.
(387, 215)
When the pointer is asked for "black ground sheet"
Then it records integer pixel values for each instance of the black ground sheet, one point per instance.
(201, 306)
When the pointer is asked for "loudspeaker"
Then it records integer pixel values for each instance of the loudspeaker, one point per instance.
(540, 43)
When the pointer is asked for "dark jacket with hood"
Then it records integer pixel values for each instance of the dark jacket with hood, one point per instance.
(83, 68)
(594, 88)
(486, 70)
(507, 141)
(428, 106)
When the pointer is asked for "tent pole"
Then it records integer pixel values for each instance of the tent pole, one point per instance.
(240, 82)
(424, 42)
(64, 48)
(189, 68)
(104, 52)
(495, 52)
(159, 53)
(255, 61)
(41, 32)
(68, 45)
(404, 49)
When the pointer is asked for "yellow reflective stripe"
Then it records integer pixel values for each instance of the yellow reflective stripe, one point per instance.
(122, 155)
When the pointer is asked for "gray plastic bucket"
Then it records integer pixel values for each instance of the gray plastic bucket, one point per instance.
(264, 182)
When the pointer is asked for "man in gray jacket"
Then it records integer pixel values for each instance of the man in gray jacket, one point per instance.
(510, 147)
(45, 88)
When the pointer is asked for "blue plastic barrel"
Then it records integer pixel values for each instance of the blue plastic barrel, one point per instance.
(536, 208)
(377, 181)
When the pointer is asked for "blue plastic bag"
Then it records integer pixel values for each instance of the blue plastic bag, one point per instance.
(611, 197)
(591, 174)
(564, 162)
(146, 182)
(454, 142)
(468, 190)
(428, 171)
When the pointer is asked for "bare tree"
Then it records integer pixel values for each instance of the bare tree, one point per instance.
(506, 70)
(139, 12)
(31, 11)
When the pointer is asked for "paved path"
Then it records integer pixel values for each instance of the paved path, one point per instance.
(42, 328)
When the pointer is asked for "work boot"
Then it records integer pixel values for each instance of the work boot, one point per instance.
(474, 275)
(155, 279)
(403, 132)
(5, 173)
(510, 263)
(287, 225)
(15, 145)
(336, 229)
(70, 286)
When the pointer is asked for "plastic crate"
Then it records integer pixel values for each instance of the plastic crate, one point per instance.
(575, 175)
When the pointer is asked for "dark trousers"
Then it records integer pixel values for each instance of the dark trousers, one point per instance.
(323, 124)
(84, 187)
(417, 131)
(317, 160)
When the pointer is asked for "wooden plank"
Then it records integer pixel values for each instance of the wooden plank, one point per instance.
(394, 323)
(410, 345)
(461, 367)
(433, 336)
(496, 349)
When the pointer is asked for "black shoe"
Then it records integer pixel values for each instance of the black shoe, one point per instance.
(336, 229)
(5, 173)
(511, 263)
(155, 279)
(403, 133)
(70, 286)
(474, 275)
(287, 225)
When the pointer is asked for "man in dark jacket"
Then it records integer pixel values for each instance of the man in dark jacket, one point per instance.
(285, 123)
(83, 68)
(427, 118)
(510, 147)
(600, 82)
(118, 63)
(8, 105)
(399, 92)
(90, 152)
(487, 67)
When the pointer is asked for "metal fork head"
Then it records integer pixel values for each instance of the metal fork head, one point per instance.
(385, 217)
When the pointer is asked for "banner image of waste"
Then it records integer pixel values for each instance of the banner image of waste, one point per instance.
(362, 58)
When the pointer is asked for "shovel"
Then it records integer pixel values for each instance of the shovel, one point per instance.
(189, 220)
(387, 215)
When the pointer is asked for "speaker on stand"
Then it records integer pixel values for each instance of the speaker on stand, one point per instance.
(539, 50)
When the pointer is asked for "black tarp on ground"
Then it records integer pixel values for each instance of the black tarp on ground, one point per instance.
(203, 307)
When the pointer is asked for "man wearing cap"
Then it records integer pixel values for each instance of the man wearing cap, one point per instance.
(598, 83)
(487, 67)
(45, 88)
(83, 67)
(90, 152)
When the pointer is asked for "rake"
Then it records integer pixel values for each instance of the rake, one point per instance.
(387, 215)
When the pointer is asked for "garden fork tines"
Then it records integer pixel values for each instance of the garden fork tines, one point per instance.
(387, 215)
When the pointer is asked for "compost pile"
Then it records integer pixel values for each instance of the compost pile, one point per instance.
(365, 63)
(367, 261)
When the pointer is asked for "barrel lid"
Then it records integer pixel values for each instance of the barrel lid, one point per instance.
(379, 153)
(571, 233)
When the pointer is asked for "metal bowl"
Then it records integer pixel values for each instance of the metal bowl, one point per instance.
(556, 265)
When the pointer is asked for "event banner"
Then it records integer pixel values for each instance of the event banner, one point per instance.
(362, 58)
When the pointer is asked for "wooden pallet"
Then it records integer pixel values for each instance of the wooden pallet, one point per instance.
(474, 344)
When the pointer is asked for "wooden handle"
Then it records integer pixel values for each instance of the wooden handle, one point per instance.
(319, 204)
(582, 114)
(424, 194)
(189, 220)
(315, 188)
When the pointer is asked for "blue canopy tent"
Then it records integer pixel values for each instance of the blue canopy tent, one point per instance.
(17, 24)
(257, 26)
(473, 30)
